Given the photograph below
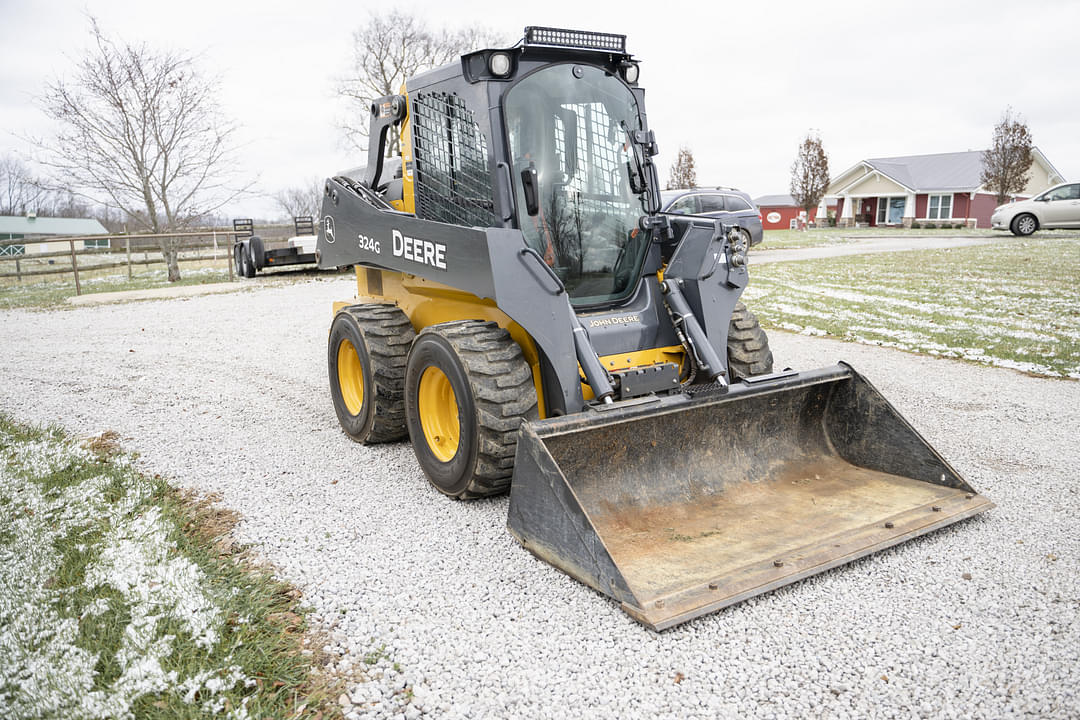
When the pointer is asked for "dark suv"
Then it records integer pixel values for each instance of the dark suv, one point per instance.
(720, 202)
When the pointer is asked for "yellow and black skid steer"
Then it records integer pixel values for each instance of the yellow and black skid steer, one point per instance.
(531, 321)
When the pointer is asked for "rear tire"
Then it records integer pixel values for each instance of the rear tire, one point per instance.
(238, 263)
(1024, 224)
(366, 356)
(748, 346)
(467, 389)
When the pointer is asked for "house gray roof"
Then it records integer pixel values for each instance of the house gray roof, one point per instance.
(942, 171)
(775, 201)
(48, 226)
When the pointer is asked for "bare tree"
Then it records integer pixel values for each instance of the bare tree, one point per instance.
(682, 173)
(390, 49)
(300, 200)
(139, 130)
(20, 191)
(1007, 162)
(809, 173)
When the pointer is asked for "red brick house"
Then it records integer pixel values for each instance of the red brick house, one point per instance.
(779, 212)
(941, 189)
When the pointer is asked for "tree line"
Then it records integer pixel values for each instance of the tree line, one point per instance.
(142, 145)
(1006, 164)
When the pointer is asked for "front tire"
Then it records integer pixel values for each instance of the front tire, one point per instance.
(1024, 225)
(366, 356)
(467, 389)
(748, 346)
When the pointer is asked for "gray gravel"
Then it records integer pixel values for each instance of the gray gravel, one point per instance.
(229, 394)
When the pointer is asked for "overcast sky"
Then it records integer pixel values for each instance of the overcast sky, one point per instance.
(738, 83)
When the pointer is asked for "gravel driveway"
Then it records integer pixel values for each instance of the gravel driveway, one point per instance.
(229, 393)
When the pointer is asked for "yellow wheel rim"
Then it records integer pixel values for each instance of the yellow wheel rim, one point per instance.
(350, 375)
(438, 412)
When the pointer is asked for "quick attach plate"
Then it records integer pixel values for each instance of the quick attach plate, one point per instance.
(645, 380)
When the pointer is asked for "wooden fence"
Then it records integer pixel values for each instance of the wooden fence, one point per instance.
(199, 241)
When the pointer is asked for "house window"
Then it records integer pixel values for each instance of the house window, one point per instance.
(939, 207)
(890, 210)
(96, 243)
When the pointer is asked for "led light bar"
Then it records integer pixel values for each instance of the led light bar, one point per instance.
(580, 39)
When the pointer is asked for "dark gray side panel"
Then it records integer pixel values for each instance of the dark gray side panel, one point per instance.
(490, 264)
(353, 232)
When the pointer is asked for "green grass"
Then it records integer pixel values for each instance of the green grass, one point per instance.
(1011, 303)
(822, 237)
(115, 599)
(52, 293)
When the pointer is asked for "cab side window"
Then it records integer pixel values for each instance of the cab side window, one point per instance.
(686, 205)
(712, 203)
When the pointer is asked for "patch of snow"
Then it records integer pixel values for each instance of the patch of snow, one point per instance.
(46, 672)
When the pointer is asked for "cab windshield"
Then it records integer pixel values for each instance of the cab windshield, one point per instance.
(571, 123)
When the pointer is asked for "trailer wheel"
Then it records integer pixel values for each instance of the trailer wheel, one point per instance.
(366, 355)
(467, 389)
(257, 251)
(246, 268)
(748, 346)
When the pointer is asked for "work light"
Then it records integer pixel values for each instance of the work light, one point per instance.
(499, 64)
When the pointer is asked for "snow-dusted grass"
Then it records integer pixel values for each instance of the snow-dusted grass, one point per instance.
(114, 603)
(37, 293)
(823, 237)
(1014, 303)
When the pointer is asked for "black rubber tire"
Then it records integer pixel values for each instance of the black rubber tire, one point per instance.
(246, 268)
(381, 336)
(238, 263)
(748, 346)
(257, 250)
(1024, 224)
(493, 388)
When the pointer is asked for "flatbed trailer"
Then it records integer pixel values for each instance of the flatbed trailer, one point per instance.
(250, 253)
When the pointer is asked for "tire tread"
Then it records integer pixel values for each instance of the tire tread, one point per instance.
(389, 335)
(504, 395)
(748, 345)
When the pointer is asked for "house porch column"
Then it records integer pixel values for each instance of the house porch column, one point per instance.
(847, 215)
(909, 210)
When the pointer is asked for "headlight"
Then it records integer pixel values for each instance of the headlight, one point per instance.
(630, 72)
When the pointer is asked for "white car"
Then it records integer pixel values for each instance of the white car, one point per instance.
(1058, 207)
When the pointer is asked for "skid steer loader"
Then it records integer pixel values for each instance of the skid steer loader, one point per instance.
(532, 322)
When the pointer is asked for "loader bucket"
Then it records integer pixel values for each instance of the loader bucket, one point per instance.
(677, 507)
